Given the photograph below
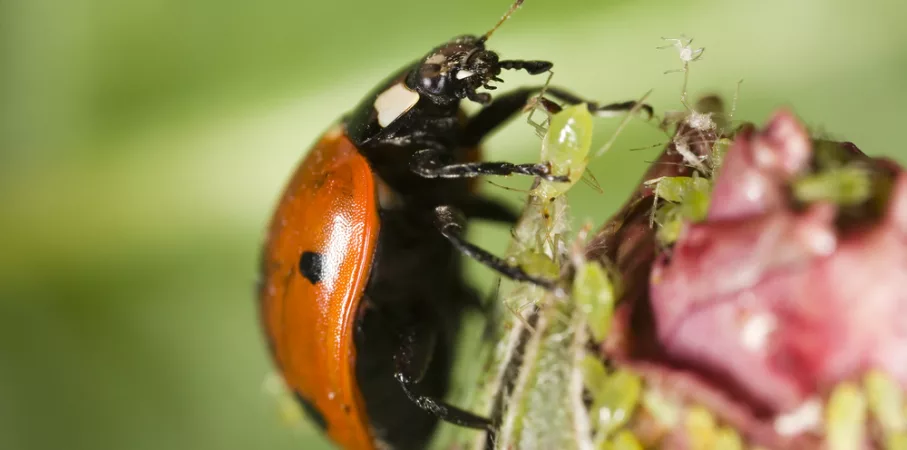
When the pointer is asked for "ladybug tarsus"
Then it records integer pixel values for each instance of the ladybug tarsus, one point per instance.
(444, 411)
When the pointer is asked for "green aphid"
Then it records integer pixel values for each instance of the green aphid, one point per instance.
(566, 147)
(896, 441)
(670, 221)
(624, 440)
(681, 189)
(701, 428)
(845, 418)
(594, 293)
(682, 199)
(886, 401)
(844, 186)
(727, 439)
(538, 264)
(662, 409)
(594, 373)
(830, 154)
(614, 402)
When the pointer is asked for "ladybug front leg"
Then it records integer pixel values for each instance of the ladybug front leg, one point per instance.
(417, 343)
(433, 163)
(506, 106)
(450, 222)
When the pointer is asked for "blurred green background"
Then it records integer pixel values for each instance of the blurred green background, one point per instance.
(143, 144)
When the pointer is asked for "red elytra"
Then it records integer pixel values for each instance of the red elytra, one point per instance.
(329, 209)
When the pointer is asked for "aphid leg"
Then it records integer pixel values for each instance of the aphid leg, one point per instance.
(539, 102)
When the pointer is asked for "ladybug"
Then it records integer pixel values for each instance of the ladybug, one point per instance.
(362, 288)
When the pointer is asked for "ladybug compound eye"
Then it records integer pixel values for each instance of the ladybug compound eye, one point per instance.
(434, 84)
(432, 76)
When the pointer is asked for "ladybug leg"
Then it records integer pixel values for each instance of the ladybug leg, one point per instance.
(598, 109)
(506, 106)
(450, 221)
(532, 67)
(430, 163)
(411, 361)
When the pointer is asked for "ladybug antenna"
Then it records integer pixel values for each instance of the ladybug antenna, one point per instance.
(515, 6)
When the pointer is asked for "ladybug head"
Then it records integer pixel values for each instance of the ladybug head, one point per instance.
(457, 69)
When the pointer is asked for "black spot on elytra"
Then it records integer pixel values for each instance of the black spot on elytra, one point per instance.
(311, 266)
(312, 411)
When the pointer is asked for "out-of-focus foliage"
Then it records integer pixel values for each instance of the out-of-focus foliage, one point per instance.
(143, 143)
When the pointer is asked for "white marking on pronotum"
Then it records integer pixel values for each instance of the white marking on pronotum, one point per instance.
(394, 102)
(437, 58)
(464, 74)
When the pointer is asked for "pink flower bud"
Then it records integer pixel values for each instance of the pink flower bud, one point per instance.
(777, 296)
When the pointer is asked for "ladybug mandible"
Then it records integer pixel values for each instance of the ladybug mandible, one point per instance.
(362, 287)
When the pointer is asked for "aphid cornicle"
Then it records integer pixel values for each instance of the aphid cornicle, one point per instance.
(362, 288)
